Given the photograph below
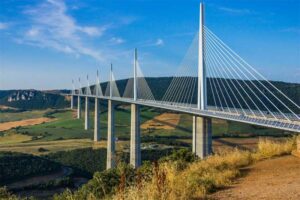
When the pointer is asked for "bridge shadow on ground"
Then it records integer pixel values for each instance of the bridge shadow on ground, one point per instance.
(223, 141)
(162, 122)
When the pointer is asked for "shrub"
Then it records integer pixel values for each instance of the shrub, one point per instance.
(200, 177)
(5, 194)
(41, 149)
(269, 148)
(177, 176)
(17, 166)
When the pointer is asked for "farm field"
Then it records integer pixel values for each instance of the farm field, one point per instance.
(20, 115)
(25, 122)
(155, 124)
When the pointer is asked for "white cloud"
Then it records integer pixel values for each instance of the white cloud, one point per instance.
(150, 43)
(234, 10)
(159, 42)
(32, 32)
(52, 27)
(92, 31)
(116, 40)
(3, 25)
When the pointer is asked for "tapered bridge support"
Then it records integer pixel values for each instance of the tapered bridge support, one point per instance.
(72, 102)
(111, 159)
(87, 114)
(79, 107)
(135, 141)
(202, 136)
(97, 121)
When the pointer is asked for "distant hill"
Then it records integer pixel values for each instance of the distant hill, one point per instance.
(33, 99)
(159, 86)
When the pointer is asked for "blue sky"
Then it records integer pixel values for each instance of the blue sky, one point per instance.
(44, 44)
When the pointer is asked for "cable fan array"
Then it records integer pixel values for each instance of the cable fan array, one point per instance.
(112, 87)
(233, 86)
(182, 90)
(143, 90)
(236, 87)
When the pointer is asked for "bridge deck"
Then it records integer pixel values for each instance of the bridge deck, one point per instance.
(269, 121)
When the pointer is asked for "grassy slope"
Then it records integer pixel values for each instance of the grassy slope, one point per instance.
(16, 116)
(67, 127)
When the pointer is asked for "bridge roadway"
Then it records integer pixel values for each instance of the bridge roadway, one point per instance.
(270, 122)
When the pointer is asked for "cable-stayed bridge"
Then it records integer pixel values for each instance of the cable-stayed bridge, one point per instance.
(212, 81)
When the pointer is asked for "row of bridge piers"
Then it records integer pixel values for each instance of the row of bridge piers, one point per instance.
(201, 140)
(202, 126)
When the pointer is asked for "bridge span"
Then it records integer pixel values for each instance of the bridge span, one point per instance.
(237, 93)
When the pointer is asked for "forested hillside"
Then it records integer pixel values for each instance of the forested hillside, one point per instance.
(18, 166)
(33, 99)
(160, 85)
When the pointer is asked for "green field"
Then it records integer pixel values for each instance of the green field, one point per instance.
(16, 116)
(67, 126)
(65, 142)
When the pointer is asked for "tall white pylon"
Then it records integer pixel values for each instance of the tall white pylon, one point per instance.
(202, 93)
(135, 75)
(88, 88)
(72, 95)
(80, 88)
(98, 89)
(110, 81)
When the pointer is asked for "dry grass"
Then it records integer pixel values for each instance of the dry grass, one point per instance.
(13, 138)
(26, 122)
(166, 121)
(171, 182)
(269, 148)
(51, 146)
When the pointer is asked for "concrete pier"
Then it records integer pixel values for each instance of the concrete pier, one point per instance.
(202, 136)
(135, 143)
(79, 108)
(111, 158)
(72, 102)
(87, 114)
(97, 121)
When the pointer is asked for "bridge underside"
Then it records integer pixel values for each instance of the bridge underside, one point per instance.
(270, 122)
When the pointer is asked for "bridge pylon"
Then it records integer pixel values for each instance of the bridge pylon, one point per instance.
(79, 101)
(111, 157)
(97, 110)
(135, 141)
(202, 131)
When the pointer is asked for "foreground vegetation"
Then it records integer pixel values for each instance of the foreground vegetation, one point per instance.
(178, 176)
(18, 166)
(158, 180)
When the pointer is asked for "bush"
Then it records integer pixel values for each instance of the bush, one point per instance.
(199, 177)
(270, 148)
(182, 154)
(85, 161)
(103, 184)
(178, 176)
(16, 166)
(41, 149)
(5, 194)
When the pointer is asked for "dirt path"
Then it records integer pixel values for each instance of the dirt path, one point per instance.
(277, 178)
(26, 122)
